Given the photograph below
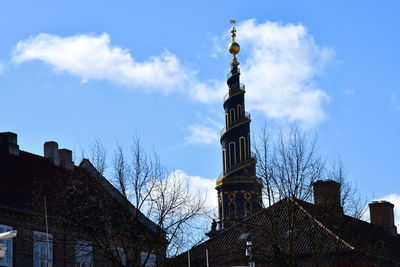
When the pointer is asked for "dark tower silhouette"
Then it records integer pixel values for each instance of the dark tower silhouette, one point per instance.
(239, 190)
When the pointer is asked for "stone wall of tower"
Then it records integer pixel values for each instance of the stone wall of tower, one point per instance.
(238, 200)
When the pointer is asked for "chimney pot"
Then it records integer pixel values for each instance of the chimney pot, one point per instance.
(327, 195)
(381, 213)
(51, 152)
(8, 140)
(65, 156)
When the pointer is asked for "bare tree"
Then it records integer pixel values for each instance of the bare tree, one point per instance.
(120, 169)
(291, 163)
(351, 200)
(162, 195)
(289, 166)
(98, 156)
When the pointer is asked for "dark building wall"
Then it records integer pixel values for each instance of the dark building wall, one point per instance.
(80, 207)
(64, 240)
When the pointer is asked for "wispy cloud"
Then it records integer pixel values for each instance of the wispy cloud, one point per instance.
(202, 135)
(349, 92)
(395, 101)
(1, 68)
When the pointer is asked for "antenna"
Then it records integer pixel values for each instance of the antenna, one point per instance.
(47, 231)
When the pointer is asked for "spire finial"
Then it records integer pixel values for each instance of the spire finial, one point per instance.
(234, 47)
(233, 31)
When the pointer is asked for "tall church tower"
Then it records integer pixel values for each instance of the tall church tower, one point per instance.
(239, 190)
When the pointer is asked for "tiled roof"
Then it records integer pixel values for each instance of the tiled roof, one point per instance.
(316, 235)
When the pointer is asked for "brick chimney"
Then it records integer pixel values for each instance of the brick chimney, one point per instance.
(8, 140)
(381, 213)
(51, 152)
(327, 195)
(65, 156)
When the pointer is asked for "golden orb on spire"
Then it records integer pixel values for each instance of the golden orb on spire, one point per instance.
(234, 48)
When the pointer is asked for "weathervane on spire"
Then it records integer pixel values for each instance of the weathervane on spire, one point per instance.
(233, 31)
(234, 47)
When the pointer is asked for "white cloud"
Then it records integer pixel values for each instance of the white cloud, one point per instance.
(199, 134)
(199, 185)
(282, 62)
(1, 68)
(93, 57)
(279, 64)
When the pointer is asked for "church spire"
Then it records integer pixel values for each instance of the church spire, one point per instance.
(234, 47)
(239, 190)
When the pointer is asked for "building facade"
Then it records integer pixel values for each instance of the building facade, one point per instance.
(67, 215)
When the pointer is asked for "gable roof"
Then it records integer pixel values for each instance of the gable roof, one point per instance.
(26, 178)
(119, 197)
(316, 234)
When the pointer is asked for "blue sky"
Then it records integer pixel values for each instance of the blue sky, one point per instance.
(73, 71)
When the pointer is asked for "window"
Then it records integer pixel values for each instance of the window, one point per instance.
(83, 254)
(8, 257)
(232, 154)
(239, 111)
(242, 148)
(244, 236)
(151, 261)
(224, 159)
(233, 118)
(122, 256)
(248, 145)
(42, 249)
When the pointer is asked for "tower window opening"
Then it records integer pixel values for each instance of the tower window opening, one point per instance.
(248, 145)
(232, 115)
(239, 111)
(242, 148)
(232, 154)
(224, 159)
(226, 121)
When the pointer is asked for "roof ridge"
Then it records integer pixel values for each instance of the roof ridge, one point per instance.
(322, 225)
